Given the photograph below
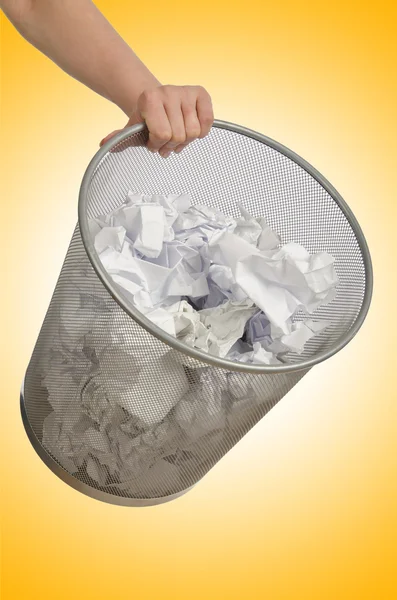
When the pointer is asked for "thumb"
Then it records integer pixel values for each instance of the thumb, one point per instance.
(108, 137)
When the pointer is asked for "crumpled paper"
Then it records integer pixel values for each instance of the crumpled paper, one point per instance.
(185, 254)
(278, 282)
(127, 411)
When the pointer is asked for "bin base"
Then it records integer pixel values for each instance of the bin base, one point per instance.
(79, 485)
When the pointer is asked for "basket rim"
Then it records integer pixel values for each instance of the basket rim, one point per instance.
(166, 338)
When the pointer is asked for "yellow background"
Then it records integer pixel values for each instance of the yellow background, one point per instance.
(305, 506)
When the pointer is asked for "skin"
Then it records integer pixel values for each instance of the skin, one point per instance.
(78, 38)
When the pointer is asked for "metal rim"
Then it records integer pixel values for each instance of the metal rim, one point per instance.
(80, 486)
(170, 340)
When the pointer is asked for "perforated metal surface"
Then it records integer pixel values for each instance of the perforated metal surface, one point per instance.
(94, 349)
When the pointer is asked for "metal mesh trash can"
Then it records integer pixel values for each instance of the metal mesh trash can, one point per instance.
(121, 410)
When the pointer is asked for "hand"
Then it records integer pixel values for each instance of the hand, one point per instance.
(174, 115)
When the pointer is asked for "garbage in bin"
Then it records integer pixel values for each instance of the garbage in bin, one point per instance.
(175, 324)
(210, 280)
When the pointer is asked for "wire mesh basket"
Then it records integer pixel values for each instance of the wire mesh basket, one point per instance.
(123, 411)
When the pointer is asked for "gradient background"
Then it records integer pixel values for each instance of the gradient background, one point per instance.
(306, 505)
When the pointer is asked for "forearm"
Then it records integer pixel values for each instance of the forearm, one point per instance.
(76, 36)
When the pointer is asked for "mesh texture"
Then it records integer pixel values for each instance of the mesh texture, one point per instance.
(90, 353)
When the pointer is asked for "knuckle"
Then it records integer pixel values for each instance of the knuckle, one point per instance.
(191, 94)
(207, 120)
(193, 132)
(149, 96)
(169, 90)
(189, 108)
(179, 138)
(163, 135)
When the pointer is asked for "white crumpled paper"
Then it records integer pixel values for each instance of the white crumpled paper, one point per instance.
(279, 282)
(125, 409)
(167, 255)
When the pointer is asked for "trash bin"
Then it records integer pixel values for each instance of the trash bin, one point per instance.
(117, 407)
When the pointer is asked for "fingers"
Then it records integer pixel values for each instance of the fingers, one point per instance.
(205, 112)
(108, 137)
(175, 116)
(192, 123)
(173, 108)
(153, 111)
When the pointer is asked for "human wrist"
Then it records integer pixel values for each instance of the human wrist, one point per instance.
(135, 85)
